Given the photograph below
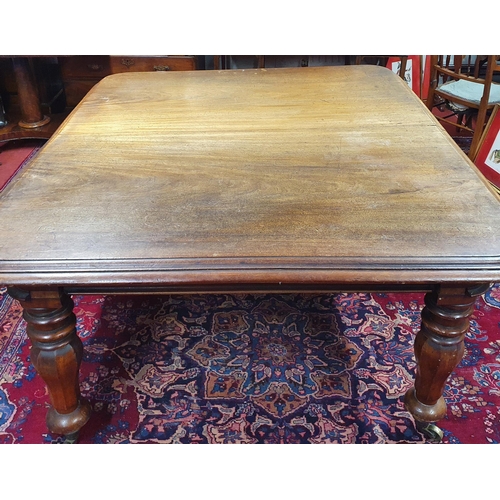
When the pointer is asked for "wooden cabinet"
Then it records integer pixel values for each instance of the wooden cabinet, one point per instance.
(125, 64)
(81, 73)
(37, 92)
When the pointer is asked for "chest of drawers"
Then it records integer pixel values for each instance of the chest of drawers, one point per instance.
(81, 73)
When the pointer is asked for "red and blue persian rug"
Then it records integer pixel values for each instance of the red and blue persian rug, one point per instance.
(296, 368)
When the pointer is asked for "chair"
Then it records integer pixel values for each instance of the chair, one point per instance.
(382, 61)
(466, 87)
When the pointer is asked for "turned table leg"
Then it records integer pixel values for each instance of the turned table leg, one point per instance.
(56, 354)
(439, 347)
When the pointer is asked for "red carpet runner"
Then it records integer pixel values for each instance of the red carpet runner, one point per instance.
(14, 155)
(252, 369)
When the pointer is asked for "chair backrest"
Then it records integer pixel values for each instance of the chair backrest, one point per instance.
(466, 85)
(382, 61)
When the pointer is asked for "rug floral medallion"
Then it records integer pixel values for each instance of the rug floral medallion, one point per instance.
(295, 368)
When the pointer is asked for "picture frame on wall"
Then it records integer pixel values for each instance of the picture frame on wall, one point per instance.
(487, 159)
(412, 74)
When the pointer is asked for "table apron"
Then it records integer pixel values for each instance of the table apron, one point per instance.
(284, 280)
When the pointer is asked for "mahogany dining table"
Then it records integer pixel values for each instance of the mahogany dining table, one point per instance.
(319, 179)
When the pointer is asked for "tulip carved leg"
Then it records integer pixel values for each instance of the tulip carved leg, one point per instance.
(56, 354)
(439, 347)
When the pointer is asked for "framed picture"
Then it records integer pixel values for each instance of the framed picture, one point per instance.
(412, 73)
(488, 156)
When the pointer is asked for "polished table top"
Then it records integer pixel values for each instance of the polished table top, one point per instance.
(328, 174)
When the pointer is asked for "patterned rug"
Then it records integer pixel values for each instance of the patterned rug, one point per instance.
(296, 368)
(464, 143)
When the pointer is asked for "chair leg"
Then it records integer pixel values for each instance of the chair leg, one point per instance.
(432, 83)
(478, 131)
(402, 69)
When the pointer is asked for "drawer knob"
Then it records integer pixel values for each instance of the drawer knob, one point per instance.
(95, 67)
(162, 68)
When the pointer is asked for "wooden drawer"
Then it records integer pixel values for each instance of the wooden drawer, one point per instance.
(85, 66)
(124, 64)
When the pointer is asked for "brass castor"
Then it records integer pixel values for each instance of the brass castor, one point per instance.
(431, 431)
(72, 438)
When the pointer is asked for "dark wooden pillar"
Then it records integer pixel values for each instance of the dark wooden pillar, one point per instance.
(29, 101)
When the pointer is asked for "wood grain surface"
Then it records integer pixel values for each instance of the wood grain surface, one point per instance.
(325, 173)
